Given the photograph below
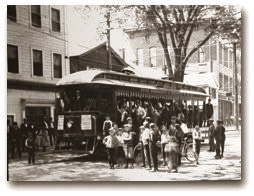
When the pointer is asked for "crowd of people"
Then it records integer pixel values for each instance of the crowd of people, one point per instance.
(121, 138)
(29, 138)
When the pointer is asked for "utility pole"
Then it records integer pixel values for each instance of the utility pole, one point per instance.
(109, 64)
(236, 90)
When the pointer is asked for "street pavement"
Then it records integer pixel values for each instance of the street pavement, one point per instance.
(66, 166)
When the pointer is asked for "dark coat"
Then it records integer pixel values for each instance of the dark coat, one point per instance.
(218, 132)
(209, 110)
(24, 130)
(211, 131)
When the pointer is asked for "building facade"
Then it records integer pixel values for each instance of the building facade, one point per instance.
(213, 57)
(36, 51)
(97, 58)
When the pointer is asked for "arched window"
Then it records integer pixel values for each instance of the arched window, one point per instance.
(140, 57)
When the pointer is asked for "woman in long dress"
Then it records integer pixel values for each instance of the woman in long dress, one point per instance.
(172, 150)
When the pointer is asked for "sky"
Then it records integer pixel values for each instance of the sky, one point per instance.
(83, 35)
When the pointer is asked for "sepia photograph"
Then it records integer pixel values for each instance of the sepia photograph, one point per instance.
(123, 93)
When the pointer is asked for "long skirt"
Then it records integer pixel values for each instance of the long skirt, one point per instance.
(172, 150)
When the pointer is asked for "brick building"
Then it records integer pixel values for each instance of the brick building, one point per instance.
(36, 51)
(214, 57)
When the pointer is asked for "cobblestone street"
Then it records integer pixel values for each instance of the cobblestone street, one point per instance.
(68, 167)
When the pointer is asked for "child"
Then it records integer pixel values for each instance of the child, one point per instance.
(119, 151)
(145, 138)
(196, 134)
(128, 145)
(154, 135)
(111, 143)
(30, 146)
(164, 141)
(115, 127)
(142, 129)
(107, 124)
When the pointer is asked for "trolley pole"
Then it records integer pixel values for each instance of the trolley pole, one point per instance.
(109, 64)
(236, 91)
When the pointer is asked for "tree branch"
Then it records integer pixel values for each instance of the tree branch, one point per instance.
(197, 47)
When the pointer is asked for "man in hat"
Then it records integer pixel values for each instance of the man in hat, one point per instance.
(211, 135)
(77, 104)
(179, 135)
(209, 110)
(218, 138)
(140, 113)
(15, 140)
(223, 138)
(24, 129)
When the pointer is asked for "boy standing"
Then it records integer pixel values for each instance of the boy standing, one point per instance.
(107, 124)
(154, 135)
(111, 143)
(196, 134)
(119, 151)
(128, 145)
(145, 138)
(30, 146)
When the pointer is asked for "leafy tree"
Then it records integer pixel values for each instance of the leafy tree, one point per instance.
(176, 24)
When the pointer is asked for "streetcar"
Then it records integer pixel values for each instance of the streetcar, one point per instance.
(85, 97)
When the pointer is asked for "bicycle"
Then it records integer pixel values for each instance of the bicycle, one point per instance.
(186, 151)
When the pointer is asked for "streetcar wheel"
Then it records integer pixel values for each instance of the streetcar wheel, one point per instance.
(190, 156)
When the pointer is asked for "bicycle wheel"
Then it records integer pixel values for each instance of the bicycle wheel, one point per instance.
(137, 154)
(189, 154)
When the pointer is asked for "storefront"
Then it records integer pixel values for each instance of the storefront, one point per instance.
(30, 101)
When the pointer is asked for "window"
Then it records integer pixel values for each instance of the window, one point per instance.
(57, 63)
(201, 55)
(35, 114)
(11, 12)
(225, 51)
(230, 59)
(231, 85)
(140, 57)
(226, 83)
(221, 80)
(122, 53)
(220, 53)
(13, 62)
(37, 63)
(55, 19)
(152, 55)
(212, 92)
(36, 15)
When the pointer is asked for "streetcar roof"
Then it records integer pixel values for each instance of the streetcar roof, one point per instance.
(96, 77)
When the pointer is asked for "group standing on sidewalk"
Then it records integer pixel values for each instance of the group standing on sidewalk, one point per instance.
(29, 138)
(120, 142)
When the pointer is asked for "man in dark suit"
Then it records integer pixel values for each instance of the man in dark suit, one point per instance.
(218, 132)
(24, 129)
(15, 139)
(209, 111)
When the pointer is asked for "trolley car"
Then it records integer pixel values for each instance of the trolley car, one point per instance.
(98, 92)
